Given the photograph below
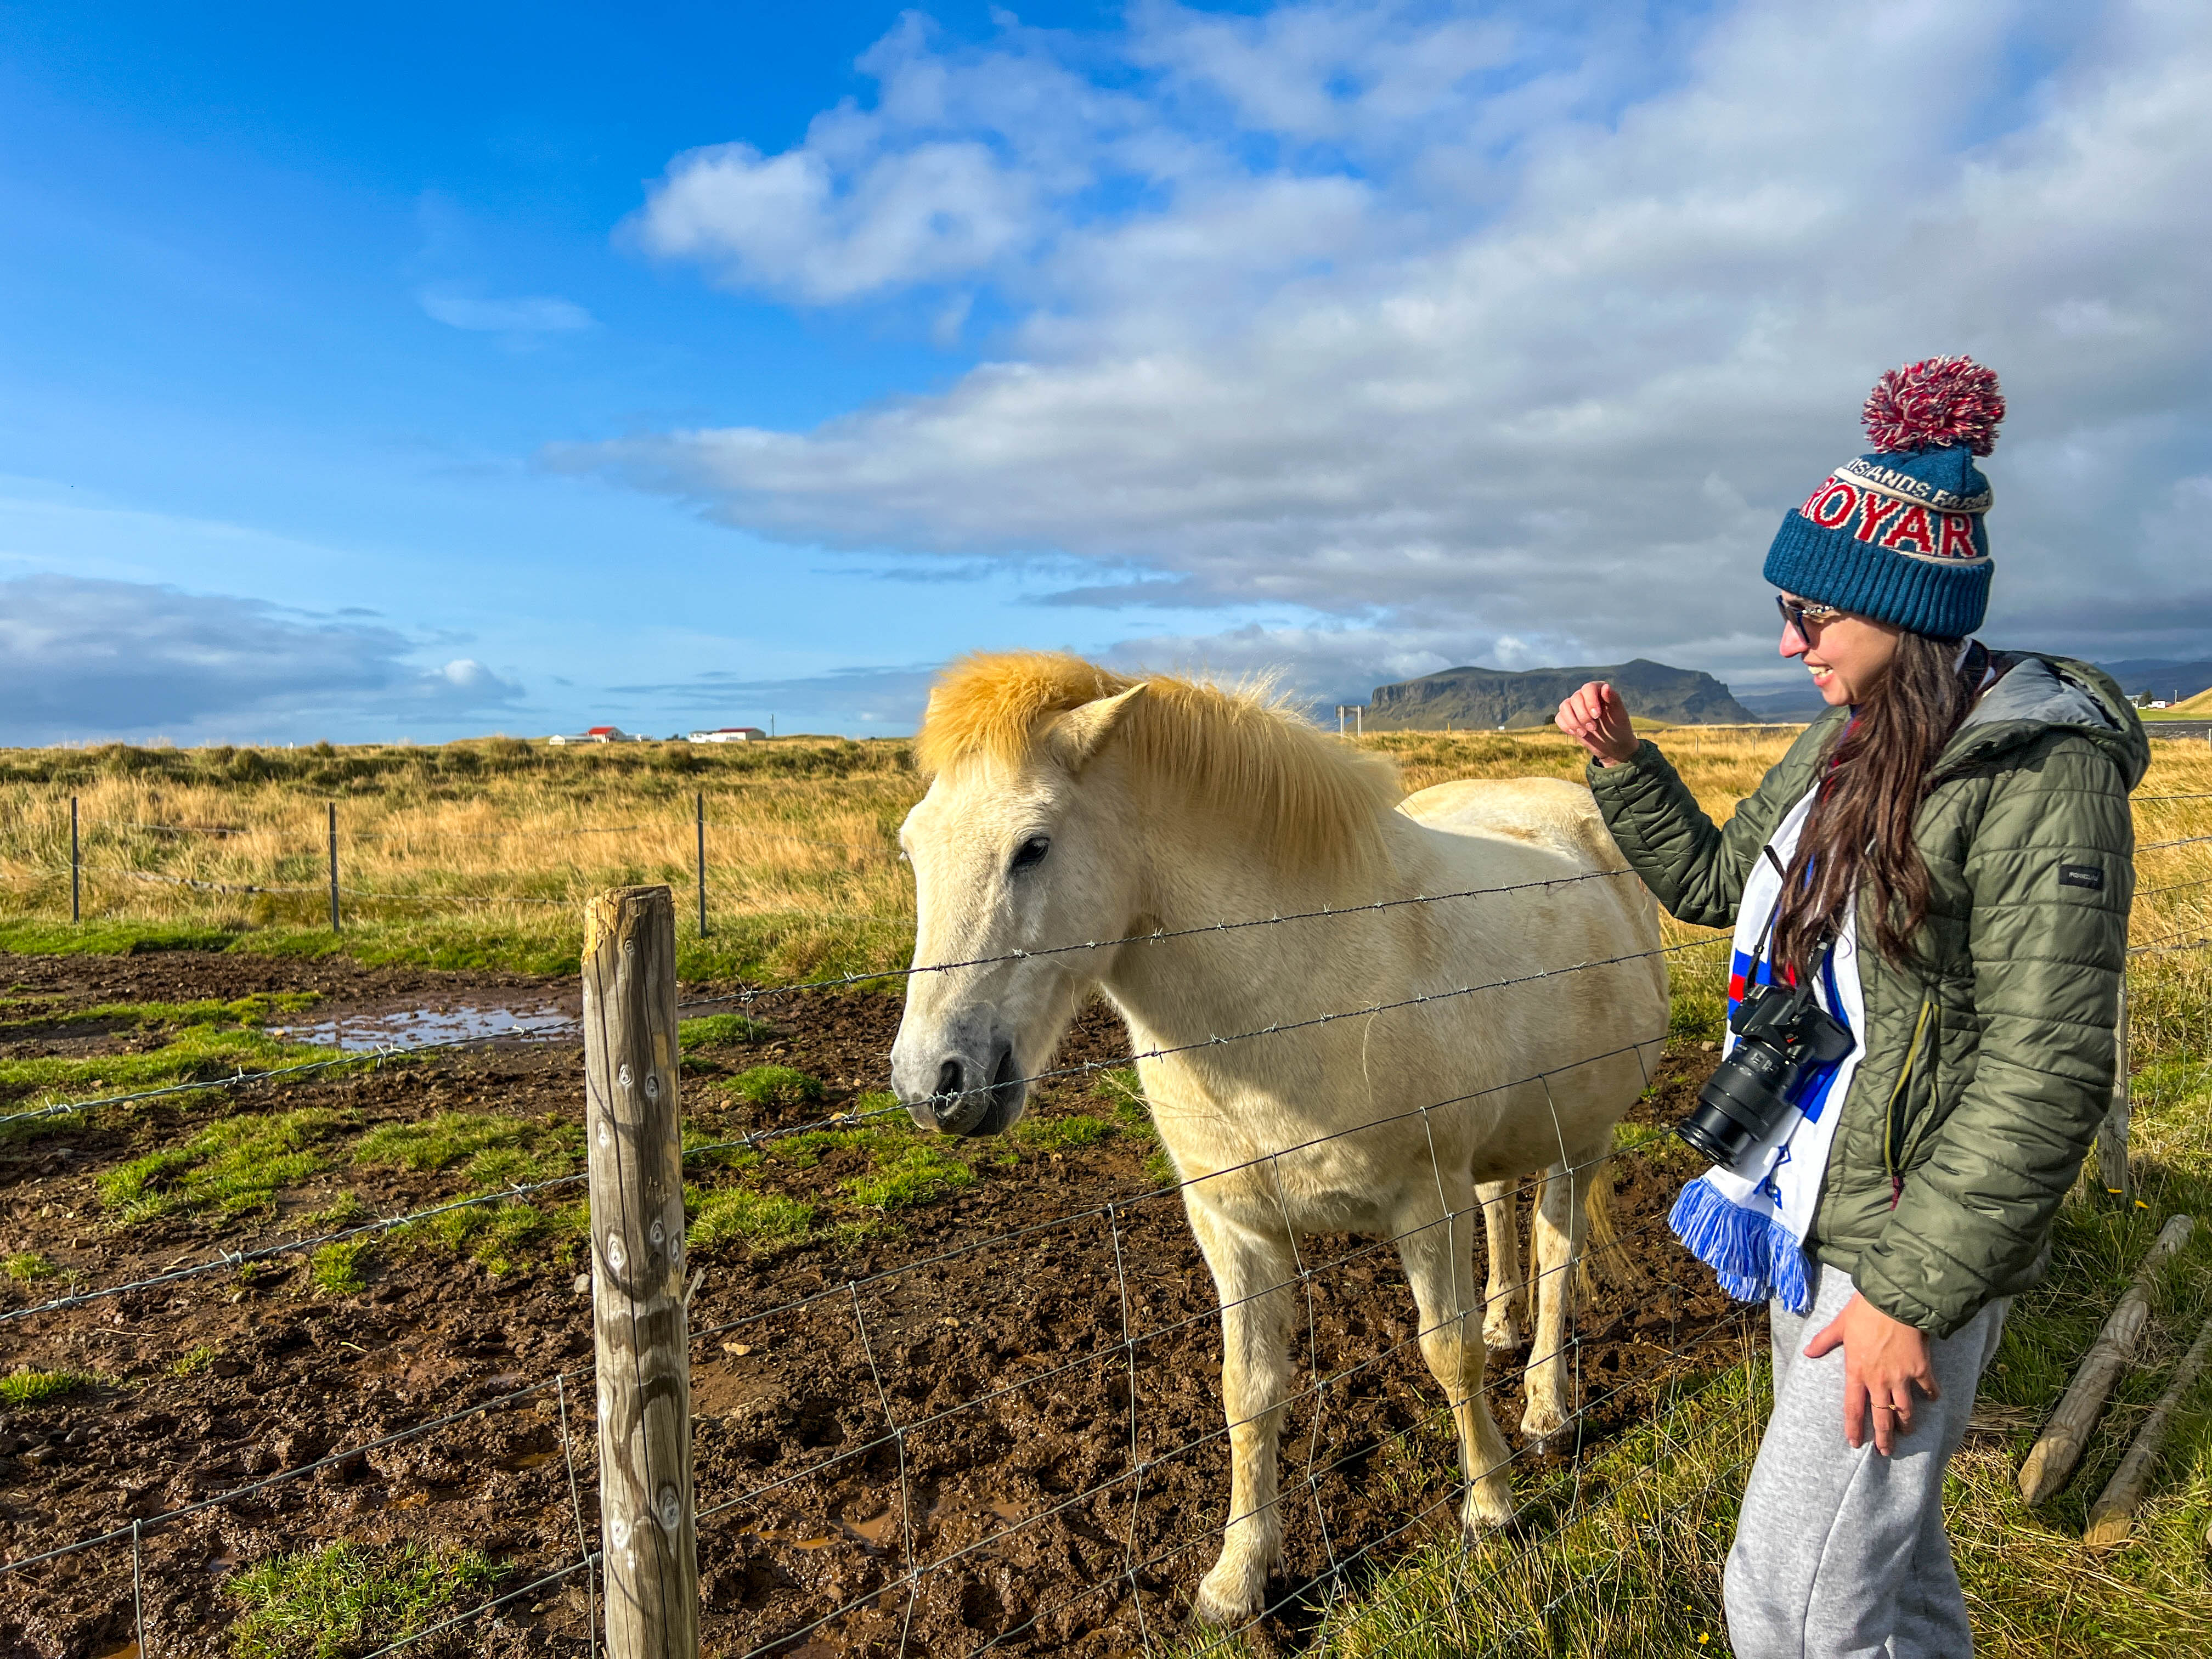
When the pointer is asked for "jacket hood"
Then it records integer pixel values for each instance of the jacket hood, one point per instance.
(2037, 693)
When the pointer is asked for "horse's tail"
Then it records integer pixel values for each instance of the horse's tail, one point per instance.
(1603, 1255)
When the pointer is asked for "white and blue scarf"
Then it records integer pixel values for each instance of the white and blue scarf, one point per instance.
(1748, 1222)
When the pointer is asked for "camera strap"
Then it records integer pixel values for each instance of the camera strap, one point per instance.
(1767, 933)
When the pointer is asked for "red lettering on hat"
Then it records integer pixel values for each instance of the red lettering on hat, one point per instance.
(1831, 504)
(1958, 536)
(1912, 526)
(1873, 510)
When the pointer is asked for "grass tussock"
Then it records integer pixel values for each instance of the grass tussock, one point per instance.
(27, 1267)
(491, 1151)
(234, 1166)
(774, 1086)
(721, 1031)
(25, 1386)
(347, 1599)
(341, 1268)
(743, 1215)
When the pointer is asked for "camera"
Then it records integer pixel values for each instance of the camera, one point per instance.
(1781, 1035)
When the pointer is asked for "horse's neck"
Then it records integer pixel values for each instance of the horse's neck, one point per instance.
(1224, 983)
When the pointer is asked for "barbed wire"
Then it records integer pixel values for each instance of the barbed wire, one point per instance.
(235, 1260)
(1121, 1353)
(1155, 936)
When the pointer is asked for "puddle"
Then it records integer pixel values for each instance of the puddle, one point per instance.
(407, 1027)
(881, 1532)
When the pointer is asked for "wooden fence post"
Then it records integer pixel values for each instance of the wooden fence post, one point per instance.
(334, 867)
(2113, 1132)
(639, 1315)
(700, 801)
(77, 866)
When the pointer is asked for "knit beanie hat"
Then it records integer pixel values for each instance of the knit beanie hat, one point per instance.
(1897, 535)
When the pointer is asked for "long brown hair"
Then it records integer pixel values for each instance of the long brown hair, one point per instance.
(1859, 836)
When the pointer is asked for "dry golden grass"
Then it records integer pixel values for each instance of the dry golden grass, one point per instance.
(481, 854)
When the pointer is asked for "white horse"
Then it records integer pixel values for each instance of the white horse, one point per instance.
(1069, 805)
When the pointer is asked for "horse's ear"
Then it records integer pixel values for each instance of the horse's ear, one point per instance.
(1078, 734)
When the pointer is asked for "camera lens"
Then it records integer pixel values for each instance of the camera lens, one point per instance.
(1744, 1098)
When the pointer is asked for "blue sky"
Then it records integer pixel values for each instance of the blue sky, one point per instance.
(473, 368)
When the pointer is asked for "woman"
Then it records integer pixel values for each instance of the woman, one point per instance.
(1944, 858)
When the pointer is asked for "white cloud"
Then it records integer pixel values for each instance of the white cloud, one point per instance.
(527, 315)
(83, 659)
(1433, 326)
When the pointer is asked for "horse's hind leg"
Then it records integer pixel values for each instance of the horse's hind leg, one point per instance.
(1561, 1229)
(1504, 1295)
(1253, 1272)
(1438, 1253)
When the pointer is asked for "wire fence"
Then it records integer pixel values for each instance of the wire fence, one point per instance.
(1127, 1354)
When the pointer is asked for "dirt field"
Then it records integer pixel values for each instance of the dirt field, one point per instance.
(1001, 1358)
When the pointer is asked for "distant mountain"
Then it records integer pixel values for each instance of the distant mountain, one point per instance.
(1801, 701)
(1486, 699)
(2160, 678)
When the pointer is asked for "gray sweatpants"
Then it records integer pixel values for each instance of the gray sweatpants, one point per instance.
(1842, 1554)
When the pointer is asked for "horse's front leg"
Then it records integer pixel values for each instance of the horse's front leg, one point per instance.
(1253, 1272)
(1561, 1229)
(1437, 1250)
(1503, 1296)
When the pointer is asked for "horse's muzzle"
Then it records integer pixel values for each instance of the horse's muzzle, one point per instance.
(967, 1102)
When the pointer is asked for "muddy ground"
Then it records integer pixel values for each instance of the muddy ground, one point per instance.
(1000, 1357)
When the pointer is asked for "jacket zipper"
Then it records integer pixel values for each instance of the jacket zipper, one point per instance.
(1892, 1160)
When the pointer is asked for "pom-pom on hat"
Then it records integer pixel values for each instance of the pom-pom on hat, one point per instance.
(1898, 535)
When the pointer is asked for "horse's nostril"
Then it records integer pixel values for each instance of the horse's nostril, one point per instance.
(948, 1078)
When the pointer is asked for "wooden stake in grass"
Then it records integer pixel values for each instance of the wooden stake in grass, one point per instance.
(638, 1303)
(2058, 1447)
(2114, 1513)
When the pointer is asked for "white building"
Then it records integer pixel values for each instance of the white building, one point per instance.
(730, 734)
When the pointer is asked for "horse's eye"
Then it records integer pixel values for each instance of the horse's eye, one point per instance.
(1031, 852)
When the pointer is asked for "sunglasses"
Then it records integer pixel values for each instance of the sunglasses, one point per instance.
(1804, 617)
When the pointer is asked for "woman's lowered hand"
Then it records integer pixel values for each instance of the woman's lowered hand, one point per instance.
(1885, 1362)
(1595, 718)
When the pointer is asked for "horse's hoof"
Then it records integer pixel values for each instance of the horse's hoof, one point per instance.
(1484, 1513)
(1540, 1424)
(1500, 1336)
(1219, 1610)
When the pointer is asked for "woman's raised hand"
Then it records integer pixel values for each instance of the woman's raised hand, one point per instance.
(1595, 718)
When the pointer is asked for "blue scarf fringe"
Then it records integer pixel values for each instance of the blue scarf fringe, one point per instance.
(1754, 1256)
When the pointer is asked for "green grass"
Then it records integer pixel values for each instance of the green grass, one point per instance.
(774, 1086)
(196, 1054)
(250, 1012)
(347, 1599)
(194, 1360)
(752, 1218)
(492, 1152)
(1059, 1134)
(503, 1235)
(339, 1269)
(919, 1175)
(720, 1030)
(25, 1386)
(232, 1167)
(25, 1266)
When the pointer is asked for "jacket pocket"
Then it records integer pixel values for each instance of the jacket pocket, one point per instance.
(1912, 1099)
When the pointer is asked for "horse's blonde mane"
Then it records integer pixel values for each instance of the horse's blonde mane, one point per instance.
(1313, 800)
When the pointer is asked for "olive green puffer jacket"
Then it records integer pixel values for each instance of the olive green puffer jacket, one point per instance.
(1989, 1064)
